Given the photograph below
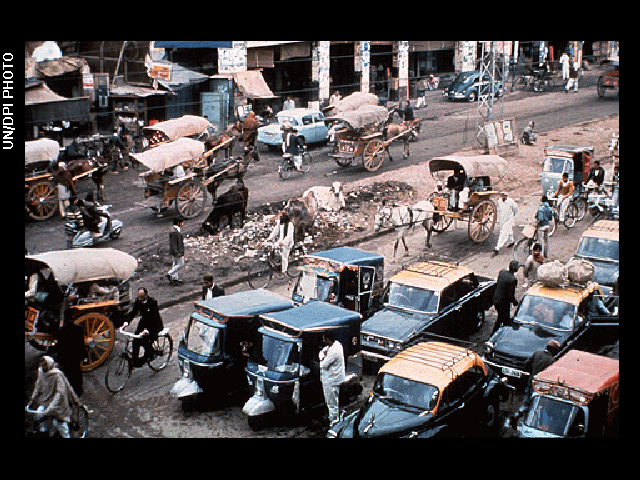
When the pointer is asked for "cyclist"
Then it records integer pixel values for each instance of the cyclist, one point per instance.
(283, 234)
(544, 216)
(149, 326)
(54, 395)
(564, 193)
(291, 144)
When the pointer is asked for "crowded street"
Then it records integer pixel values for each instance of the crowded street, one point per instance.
(150, 405)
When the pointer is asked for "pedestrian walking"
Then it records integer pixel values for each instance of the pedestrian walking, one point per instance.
(66, 189)
(332, 374)
(250, 131)
(176, 250)
(507, 211)
(70, 353)
(210, 289)
(573, 77)
(564, 61)
(544, 216)
(505, 295)
(531, 265)
(422, 93)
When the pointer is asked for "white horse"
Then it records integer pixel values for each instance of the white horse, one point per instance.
(402, 217)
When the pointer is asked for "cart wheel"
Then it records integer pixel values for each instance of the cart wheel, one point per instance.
(482, 221)
(191, 199)
(99, 337)
(442, 224)
(43, 200)
(343, 162)
(601, 90)
(373, 155)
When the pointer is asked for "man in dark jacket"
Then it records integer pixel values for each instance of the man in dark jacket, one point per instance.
(176, 250)
(150, 320)
(505, 294)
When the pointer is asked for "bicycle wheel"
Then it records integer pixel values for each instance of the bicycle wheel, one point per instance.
(570, 215)
(307, 160)
(295, 257)
(79, 424)
(162, 350)
(522, 250)
(260, 274)
(285, 170)
(581, 205)
(118, 373)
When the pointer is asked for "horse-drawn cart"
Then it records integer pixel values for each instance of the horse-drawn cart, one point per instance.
(88, 287)
(468, 192)
(180, 173)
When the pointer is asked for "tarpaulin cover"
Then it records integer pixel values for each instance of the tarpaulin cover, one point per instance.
(41, 150)
(365, 116)
(168, 155)
(184, 126)
(492, 166)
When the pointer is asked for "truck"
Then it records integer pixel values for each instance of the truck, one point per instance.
(576, 396)
(427, 297)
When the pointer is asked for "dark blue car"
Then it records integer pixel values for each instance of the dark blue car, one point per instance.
(468, 86)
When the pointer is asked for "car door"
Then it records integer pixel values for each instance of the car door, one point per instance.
(308, 130)
(322, 129)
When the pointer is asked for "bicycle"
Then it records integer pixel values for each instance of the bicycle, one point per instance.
(120, 368)
(570, 214)
(524, 247)
(287, 165)
(40, 425)
(269, 261)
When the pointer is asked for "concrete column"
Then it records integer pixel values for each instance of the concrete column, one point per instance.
(403, 70)
(320, 70)
(465, 56)
(362, 59)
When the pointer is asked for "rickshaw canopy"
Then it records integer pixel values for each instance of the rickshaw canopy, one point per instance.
(169, 155)
(247, 303)
(42, 150)
(492, 166)
(184, 126)
(314, 316)
(84, 264)
(366, 115)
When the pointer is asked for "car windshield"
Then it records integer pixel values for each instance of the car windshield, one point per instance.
(549, 415)
(546, 312)
(462, 78)
(314, 287)
(413, 298)
(286, 118)
(594, 247)
(203, 339)
(277, 354)
(553, 165)
(408, 392)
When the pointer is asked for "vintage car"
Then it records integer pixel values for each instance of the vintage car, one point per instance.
(284, 368)
(344, 276)
(308, 124)
(433, 297)
(610, 79)
(549, 313)
(216, 342)
(559, 159)
(468, 86)
(577, 396)
(600, 245)
(431, 389)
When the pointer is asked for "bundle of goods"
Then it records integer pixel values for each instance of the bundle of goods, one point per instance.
(552, 274)
(579, 271)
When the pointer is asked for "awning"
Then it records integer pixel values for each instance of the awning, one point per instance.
(60, 66)
(251, 84)
(189, 44)
(42, 105)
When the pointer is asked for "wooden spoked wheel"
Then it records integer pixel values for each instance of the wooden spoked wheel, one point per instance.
(190, 199)
(43, 200)
(99, 337)
(373, 155)
(482, 220)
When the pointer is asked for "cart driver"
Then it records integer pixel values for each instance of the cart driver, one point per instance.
(455, 184)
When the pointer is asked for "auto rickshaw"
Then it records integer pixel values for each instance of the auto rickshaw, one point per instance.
(87, 286)
(559, 159)
(343, 276)
(284, 368)
(216, 342)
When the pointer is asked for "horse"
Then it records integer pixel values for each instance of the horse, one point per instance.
(409, 130)
(402, 217)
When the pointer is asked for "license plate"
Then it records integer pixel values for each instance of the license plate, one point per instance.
(512, 372)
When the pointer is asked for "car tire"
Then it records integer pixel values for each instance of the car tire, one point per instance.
(472, 97)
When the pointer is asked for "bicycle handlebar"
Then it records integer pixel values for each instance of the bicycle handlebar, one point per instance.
(129, 334)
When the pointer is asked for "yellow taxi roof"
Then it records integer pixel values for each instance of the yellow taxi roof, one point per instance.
(435, 363)
(432, 275)
(609, 229)
(570, 293)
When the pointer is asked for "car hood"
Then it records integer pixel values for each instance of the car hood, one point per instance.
(383, 418)
(395, 323)
(521, 341)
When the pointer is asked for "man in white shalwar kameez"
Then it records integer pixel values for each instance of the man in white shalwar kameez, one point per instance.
(332, 374)
(507, 211)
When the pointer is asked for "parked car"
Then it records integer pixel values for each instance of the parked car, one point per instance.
(434, 297)
(432, 389)
(600, 245)
(549, 313)
(309, 124)
(577, 396)
(468, 86)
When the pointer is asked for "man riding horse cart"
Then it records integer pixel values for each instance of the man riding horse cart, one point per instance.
(40, 165)
(466, 192)
(89, 287)
(366, 134)
(180, 173)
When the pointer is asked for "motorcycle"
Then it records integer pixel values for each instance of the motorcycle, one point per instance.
(110, 229)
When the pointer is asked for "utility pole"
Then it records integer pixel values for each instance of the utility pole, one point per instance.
(485, 112)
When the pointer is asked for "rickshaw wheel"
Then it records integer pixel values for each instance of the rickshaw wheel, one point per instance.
(99, 337)
(373, 155)
(482, 220)
(191, 199)
(43, 197)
